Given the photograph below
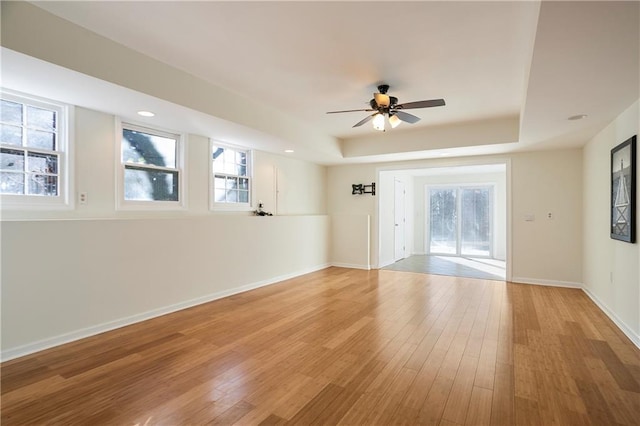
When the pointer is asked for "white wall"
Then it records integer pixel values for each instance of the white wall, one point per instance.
(611, 268)
(385, 195)
(68, 274)
(498, 180)
(360, 208)
(547, 251)
(354, 252)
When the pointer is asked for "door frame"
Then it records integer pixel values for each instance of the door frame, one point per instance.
(397, 227)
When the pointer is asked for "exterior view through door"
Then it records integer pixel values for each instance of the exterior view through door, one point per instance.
(460, 221)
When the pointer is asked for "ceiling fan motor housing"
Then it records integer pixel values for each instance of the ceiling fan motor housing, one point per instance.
(393, 101)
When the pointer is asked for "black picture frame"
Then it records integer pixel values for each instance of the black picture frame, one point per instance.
(623, 191)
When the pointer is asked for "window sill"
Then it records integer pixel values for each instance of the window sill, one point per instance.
(151, 206)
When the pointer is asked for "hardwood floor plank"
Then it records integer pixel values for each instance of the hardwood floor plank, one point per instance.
(391, 398)
(460, 395)
(336, 409)
(273, 420)
(527, 412)
(485, 373)
(344, 346)
(233, 414)
(599, 412)
(433, 407)
(290, 401)
(315, 408)
(366, 375)
(18, 376)
(503, 403)
(617, 369)
(479, 412)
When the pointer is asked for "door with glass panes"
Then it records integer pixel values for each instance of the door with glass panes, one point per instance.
(459, 220)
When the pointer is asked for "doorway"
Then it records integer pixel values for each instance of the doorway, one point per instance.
(456, 220)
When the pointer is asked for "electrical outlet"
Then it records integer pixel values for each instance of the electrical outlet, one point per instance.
(550, 216)
(82, 198)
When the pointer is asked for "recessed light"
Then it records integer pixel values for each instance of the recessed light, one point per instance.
(288, 151)
(577, 117)
(146, 113)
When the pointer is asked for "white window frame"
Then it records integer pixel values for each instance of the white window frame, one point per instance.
(230, 207)
(64, 147)
(181, 154)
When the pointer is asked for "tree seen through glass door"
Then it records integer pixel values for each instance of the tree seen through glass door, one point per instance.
(444, 219)
(460, 221)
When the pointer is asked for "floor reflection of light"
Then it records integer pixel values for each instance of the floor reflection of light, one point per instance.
(146, 422)
(490, 266)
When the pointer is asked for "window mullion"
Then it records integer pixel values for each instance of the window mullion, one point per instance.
(150, 167)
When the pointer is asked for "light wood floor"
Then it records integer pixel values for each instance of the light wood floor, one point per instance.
(344, 346)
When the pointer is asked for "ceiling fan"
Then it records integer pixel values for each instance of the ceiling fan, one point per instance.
(385, 105)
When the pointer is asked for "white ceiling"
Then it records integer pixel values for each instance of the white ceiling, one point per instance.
(532, 63)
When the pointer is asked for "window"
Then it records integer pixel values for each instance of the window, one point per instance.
(231, 178)
(150, 167)
(34, 152)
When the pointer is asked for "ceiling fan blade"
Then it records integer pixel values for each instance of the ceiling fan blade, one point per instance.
(366, 119)
(382, 99)
(406, 117)
(351, 110)
(422, 104)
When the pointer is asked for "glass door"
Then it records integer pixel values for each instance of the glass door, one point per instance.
(443, 222)
(459, 220)
(475, 221)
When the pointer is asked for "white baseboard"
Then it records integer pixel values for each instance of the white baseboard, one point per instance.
(351, 265)
(551, 283)
(11, 353)
(633, 336)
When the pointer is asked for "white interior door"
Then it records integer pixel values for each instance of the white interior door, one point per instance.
(399, 220)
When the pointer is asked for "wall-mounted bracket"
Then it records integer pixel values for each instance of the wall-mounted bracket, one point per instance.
(357, 189)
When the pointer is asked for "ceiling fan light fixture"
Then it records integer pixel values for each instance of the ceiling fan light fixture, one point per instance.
(378, 122)
(394, 121)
